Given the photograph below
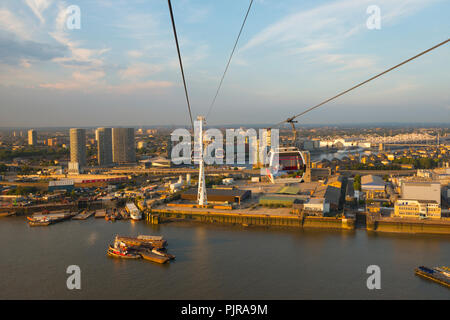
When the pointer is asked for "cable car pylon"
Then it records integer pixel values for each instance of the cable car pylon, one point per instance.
(202, 198)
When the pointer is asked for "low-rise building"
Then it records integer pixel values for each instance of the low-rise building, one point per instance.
(417, 209)
(373, 186)
(421, 191)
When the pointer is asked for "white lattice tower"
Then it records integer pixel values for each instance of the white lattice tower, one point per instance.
(202, 198)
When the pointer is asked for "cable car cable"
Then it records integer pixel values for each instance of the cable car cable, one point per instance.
(181, 63)
(288, 120)
(229, 60)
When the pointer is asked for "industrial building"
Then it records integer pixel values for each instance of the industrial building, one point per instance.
(219, 195)
(311, 207)
(66, 184)
(123, 145)
(421, 191)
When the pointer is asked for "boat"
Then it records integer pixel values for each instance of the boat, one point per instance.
(163, 254)
(135, 213)
(124, 254)
(38, 222)
(148, 255)
(440, 275)
(144, 242)
(6, 214)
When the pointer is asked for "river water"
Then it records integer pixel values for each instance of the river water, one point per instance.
(216, 262)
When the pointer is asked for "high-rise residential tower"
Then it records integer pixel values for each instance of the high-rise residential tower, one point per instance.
(104, 146)
(123, 145)
(32, 137)
(78, 146)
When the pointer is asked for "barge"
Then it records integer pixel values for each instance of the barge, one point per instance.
(440, 275)
(149, 255)
(83, 215)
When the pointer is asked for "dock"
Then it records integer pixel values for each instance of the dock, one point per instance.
(100, 213)
(83, 215)
(250, 219)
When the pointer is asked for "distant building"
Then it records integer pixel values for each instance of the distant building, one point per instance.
(417, 209)
(67, 185)
(32, 137)
(104, 146)
(141, 145)
(123, 146)
(421, 191)
(78, 146)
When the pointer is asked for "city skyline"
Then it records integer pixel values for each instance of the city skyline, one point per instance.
(120, 68)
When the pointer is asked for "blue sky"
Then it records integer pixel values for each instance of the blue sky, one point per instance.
(121, 67)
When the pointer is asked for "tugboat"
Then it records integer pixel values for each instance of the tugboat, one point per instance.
(116, 253)
(37, 222)
(120, 250)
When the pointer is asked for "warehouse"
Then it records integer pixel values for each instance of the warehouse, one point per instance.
(66, 184)
(219, 195)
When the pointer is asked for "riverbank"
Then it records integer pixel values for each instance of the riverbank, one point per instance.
(412, 226)
(237, 218)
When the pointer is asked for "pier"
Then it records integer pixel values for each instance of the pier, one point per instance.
(264, 220)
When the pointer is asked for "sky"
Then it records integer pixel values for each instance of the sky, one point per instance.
(120, 68)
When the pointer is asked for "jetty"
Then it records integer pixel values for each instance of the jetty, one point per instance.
(100, 213)
(83, 215)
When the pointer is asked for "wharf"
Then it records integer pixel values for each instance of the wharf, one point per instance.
(84, 215)
(100, 213)
(250, 219)
(405, 225)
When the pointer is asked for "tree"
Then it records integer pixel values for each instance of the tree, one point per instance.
(357, 182)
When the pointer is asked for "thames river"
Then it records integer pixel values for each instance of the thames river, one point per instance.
(216, 262)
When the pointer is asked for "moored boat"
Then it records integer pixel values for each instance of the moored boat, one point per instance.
(153, 257)
(438, 274)
(146, 242)
(163, 254)
(135, 213)
(116, 253)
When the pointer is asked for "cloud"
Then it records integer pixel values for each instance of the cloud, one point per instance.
(14, 50)
(139, 70)
(327, 26)
(95, 81)
(10, 23)
(78, 56)
(38, 7)
(345, 61)
(132, 87)
(80, 80)
(135, 53)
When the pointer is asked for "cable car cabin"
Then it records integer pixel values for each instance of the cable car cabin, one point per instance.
(289, 159)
